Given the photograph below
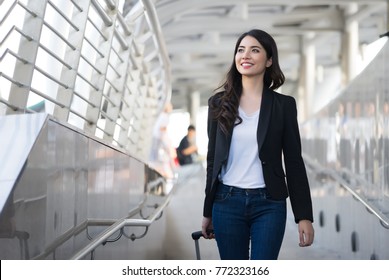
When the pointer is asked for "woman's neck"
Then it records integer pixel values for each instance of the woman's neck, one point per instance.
(250, 100)
(252, 86)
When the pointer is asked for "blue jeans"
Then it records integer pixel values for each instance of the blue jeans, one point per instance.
(243, 215)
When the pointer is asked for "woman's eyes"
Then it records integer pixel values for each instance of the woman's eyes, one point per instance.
(253, 50)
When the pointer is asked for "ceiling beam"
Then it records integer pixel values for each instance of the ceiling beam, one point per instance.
(278, 24)
(176, 9)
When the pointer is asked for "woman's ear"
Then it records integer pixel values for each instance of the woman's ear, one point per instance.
(269, 62)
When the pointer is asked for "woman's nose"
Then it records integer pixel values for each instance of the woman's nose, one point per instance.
(246, 54)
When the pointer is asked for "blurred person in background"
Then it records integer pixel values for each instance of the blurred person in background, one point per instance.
(162, 152)
(187, 149)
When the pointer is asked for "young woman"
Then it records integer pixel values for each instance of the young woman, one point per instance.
(251, 128)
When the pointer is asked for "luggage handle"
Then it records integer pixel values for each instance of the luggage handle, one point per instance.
(198, 234)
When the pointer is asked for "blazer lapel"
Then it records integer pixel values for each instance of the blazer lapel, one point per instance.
(264, 116)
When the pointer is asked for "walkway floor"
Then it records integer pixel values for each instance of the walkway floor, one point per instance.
(184, 215)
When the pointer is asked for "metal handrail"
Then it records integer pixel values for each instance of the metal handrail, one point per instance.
(81, 227)
(119, 224)
(373, 210)
(384, 220)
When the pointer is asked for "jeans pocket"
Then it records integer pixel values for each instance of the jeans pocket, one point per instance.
(222, 196)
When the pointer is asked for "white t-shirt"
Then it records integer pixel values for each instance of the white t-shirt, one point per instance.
(243, 168)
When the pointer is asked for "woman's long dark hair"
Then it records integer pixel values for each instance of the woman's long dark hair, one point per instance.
(225, 105)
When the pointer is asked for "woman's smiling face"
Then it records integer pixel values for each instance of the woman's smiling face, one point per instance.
(251, 57)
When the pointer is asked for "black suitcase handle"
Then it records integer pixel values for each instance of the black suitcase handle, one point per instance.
(198, 234)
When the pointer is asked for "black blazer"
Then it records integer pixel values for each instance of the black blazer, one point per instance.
(278, 138)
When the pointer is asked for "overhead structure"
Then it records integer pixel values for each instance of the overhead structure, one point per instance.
(321, 43)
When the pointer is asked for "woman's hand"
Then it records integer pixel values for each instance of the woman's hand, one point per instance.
(206, 225)
(306, 233)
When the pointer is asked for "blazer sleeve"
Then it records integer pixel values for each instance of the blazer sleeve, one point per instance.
(296, 176)
(211, 131)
